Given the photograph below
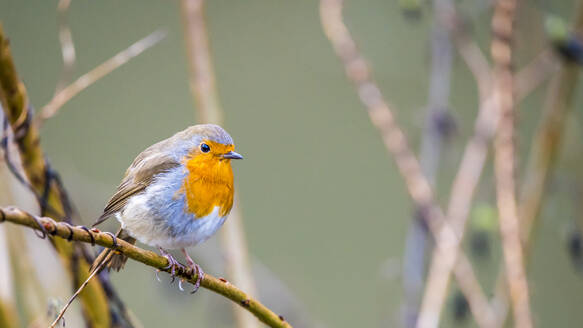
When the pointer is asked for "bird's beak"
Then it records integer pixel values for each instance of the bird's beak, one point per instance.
(232, 155)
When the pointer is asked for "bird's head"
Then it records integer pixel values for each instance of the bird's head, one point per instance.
(210, 146)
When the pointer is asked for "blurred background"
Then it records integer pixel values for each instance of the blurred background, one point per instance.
(324, 208)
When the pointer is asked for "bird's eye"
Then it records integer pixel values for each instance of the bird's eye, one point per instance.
(205, 148)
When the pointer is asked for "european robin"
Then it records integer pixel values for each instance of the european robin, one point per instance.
(177, 193)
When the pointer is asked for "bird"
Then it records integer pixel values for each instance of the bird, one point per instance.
(176, 193)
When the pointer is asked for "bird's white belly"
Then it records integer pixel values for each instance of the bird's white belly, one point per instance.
(194, 232)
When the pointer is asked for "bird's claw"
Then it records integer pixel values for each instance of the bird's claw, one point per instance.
(196, 269)
(172, 263)
(199, 276)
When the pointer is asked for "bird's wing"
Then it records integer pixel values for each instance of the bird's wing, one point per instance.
(138, 176)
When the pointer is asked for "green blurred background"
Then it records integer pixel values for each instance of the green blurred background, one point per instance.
(324, 208)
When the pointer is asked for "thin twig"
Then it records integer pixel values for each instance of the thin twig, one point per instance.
(504, 161)
(67, 46)
(438, 126)
(472, 55)
(468, 173)
(535, 73)
(219, 286)
(68, 92)
(543, 155)
(476, 150)
(206, 96)
(419, 188)
(72, 298)
(42, 181)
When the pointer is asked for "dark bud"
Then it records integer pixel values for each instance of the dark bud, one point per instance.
(460, 307)
(570, 49)
(411, 9)
(565, 42)
(575, 249)
(444, 123)
(480, 244)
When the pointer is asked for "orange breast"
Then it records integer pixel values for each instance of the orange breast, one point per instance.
(209, 183)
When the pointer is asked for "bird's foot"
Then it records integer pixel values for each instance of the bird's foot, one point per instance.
(195, 269)
(172, 264)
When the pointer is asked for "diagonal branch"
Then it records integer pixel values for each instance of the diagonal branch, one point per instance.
(44, 182)
(218, 285)
(382, 118)
(67, 93)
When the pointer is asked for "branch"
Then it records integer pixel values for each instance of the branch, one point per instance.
(543, 154)
(202, 76)
(417, 185)
(438, 126)
(8, 310)
(43, 181)
(472, 55)
(206, 96)
(8, 317)
(67, 45)
(476, 150)
(504, 161)
(218, 285)
(87, 79)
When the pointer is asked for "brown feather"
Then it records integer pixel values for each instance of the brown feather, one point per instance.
(138, 177)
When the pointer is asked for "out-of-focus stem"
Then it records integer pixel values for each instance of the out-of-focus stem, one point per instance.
(504, 161)
(547, 141)
(382, 117)
(542, 158)
(32, 293)
(8, 311)
(436, 129)
(17, 111)
(202, 76)
(66, 93)
(204, 90)
(67, 46)
(475, 153)
(237, 260)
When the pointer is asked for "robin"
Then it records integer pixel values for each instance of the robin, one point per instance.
(177, 193)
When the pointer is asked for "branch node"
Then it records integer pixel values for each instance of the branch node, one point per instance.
(51, 229)
(89, 233)
(113, 239)
(43, 232)
(70, 236)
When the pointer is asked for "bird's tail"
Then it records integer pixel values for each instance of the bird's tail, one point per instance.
(109, 258)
